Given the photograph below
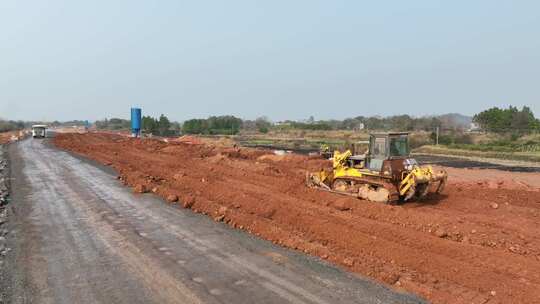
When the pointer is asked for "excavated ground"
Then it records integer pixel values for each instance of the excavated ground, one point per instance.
(479, 242)
(6, 137)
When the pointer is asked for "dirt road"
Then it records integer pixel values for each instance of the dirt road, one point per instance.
(477, 243)
(79, 236)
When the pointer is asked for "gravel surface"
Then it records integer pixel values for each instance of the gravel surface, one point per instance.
(4, 199)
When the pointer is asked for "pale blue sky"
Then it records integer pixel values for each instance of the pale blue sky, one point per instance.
(63, 59)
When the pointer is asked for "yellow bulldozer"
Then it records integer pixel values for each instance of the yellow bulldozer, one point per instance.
(385, 173)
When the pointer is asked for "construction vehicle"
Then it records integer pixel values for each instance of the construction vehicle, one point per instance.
(39, 131)
(385, 173)
(324, 151)
(327, 153)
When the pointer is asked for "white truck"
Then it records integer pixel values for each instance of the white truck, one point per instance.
(39, 131)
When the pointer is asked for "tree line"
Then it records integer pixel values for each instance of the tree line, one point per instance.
(11, 125)
(511, 120)
(492, 120)
(113, 124)
(159, 126)
(498, 120)
(149, 125)
(395, 123)
(228, 125)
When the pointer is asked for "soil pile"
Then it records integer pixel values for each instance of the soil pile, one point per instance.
(11, 136)
(473, 244)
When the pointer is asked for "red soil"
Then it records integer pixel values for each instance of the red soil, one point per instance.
(479, 242)
(6, 137)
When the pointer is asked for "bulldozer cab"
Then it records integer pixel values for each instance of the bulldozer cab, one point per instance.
(386, 146)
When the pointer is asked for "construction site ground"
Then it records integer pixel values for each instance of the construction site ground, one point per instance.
(75, 234)
(478, 242)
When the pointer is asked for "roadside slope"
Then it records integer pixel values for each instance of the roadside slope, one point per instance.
(477, 242)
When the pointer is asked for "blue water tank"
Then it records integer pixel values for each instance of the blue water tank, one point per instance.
(136, 121)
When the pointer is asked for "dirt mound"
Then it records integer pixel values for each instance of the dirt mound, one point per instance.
(281, 158)
(11, 136)
(473, 244)
(189, 140)
(505, 184)
(170, 149)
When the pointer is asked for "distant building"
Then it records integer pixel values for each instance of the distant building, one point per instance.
(283, 123)
(474, 127)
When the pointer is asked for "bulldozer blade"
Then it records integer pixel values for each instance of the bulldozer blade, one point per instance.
(314, 181)
(441, 186)
(410, 193)
(440, 177)
(423, 190)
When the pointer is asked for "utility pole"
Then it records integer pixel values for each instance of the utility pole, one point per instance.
(437, 136)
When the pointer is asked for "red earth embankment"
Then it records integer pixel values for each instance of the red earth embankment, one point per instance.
(478, 242)
(7, 137)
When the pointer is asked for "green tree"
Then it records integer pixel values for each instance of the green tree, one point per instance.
(176, 127)
(102, 124)
(149, 125)
(163, 125)
(195, 126)
(523, 121)
(224, 124)
(117, 124)
(509, 120)
(213, 125)
(263, 124)
(10, 125)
